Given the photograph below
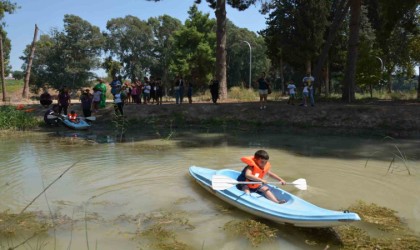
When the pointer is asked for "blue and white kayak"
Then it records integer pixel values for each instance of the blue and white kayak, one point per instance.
(82, 124)
(295, 211)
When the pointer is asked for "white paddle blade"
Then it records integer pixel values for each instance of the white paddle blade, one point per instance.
(91, 118)
(300, 184)
(221, 182)
(52, 116)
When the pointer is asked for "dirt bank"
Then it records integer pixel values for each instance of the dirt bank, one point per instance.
(397, 119)
(393, 118)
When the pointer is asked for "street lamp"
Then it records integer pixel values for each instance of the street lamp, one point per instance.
(250, 61)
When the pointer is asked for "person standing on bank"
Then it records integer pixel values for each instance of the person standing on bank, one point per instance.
(292, 92)
(263, 87)
(309, 80)
(64, 100)
(102, 88)
(86, 101)
(179, 90)
(214, 90)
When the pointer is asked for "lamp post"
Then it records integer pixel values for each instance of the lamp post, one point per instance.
(250, 61)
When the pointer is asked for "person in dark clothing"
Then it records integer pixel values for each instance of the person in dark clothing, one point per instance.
(214, 90)
(51, 116)
(45, 99)
(86, 101)
(63, 100)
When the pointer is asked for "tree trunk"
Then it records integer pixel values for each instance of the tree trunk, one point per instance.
(3, 85)
(25, 92)
(418, 86)
(339, 15)
(283, 84)
(308, 66)
(353, 44)
(221, 47)
(326, 76)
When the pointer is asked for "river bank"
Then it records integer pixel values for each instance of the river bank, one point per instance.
(387, 118)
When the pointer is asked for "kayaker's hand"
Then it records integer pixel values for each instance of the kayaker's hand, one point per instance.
(263, 181)
(283, 182)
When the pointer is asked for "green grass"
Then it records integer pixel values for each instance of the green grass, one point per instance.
(12, 119)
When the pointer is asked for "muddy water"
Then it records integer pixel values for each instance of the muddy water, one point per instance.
(104, 200)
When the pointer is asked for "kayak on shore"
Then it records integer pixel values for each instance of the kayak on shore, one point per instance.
(295, 211)
(79, 125)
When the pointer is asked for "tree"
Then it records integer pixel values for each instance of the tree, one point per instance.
(238, 55)
(353, 44)
(220, 10)
(193, 56)
(130, 40)
(18, 75)
(6, 6)
(295, 31)
(394, 23)
(163, 28)
(66, 57)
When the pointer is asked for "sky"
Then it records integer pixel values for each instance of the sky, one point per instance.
(48, 14)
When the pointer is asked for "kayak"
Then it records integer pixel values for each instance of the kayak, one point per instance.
(295, 211)
(82, 124)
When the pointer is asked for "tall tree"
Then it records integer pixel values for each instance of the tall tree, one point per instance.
(238, 55)
(163, 28)
(194, 54)
(131, 41)
(66, 57)
(353, 44)
(394, 23)
(6, 6)
(338, 13)
(296, 29)
(220, 11)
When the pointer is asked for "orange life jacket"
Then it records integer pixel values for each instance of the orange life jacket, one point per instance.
(72, 117)
(256, 170)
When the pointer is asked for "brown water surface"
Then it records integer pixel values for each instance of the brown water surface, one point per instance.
(105, 199)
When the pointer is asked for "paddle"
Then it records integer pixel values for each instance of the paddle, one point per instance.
(221, 182)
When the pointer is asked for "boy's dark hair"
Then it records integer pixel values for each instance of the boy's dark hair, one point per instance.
(261, 154)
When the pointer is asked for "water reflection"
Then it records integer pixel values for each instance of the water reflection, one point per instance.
(116, 184)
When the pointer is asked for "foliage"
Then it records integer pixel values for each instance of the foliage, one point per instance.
(163, 28)
(295, 30)
(17, 224)
(394, 22)
(6, 6)
(130, 40)
(238, 55)
(18, 75)
(242, 94)
(194, 54)
(369, 69)
(66, 57)
(386, 220)
(256, 232)
(161, 226)
(11, 118)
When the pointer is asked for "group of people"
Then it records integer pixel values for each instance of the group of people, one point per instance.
(307, 91)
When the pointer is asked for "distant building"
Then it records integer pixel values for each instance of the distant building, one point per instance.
(9, 77)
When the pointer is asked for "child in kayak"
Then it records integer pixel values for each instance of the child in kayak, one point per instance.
(257, 167)
(73, 117)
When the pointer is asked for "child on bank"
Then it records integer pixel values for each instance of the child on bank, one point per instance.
(96, 99)
(257, 167)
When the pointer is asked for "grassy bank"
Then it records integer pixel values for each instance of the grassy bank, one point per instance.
(13, 119)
